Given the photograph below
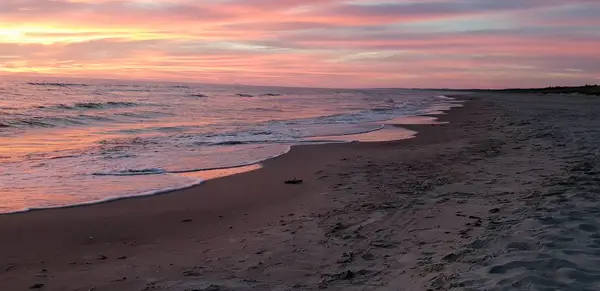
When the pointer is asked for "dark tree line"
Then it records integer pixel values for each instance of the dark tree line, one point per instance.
(581, 90)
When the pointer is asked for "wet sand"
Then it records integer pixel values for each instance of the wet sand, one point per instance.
(456, 207)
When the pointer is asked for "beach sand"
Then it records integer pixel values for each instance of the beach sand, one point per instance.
(499, 198)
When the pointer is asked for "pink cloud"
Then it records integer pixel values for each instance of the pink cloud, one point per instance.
(461, 43)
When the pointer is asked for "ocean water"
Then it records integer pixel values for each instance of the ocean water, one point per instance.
(66, 141)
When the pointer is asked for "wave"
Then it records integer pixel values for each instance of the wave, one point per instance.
(62, 157)
(261, 109)
(231, 142)
(445, 97)
(90, 105)
(125, 141)
(161, 171)
(152, 171)
(110, 104)
(383, 109)
(31, 122)
(51, 121)
(264, 95)
(116, 198)
(377, 114)
(93, 118)
(247, 142)
(242, 164)
(245, 137)
(269, 137)
(381, 126)
(145, 114)
(57, 84)
(131, 90)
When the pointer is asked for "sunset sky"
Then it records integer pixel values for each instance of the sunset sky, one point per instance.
(325, 43)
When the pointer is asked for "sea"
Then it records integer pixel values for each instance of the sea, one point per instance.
(66, 142)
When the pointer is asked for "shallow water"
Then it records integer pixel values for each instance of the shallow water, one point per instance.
(65, 142)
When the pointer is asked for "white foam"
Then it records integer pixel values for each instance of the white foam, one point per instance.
(385, 133)
(445, 97)
(132, 172)
(377, 128)
(288, 148)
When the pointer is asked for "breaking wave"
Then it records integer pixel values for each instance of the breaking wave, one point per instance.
(96, 105)
(57, 84)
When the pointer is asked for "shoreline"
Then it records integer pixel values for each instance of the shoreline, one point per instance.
(436, 115)
(86, 235)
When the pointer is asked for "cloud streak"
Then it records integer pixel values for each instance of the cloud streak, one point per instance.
(359, 43)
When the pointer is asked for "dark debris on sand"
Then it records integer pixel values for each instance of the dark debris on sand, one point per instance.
(294, 182)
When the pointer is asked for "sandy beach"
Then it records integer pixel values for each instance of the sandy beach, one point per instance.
(500, 198)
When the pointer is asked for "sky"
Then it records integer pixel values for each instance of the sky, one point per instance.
(315, 43)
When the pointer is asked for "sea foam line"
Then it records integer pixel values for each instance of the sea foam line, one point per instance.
(159, 171)
(110, 199)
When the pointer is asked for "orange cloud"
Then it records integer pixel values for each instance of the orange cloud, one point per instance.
(429, 43)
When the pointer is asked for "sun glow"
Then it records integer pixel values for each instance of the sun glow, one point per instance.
(10, 35)
(48, 35)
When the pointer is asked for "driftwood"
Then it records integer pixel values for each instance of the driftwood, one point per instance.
(294, 182)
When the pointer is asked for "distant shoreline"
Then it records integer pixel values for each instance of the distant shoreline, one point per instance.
(593, 90)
